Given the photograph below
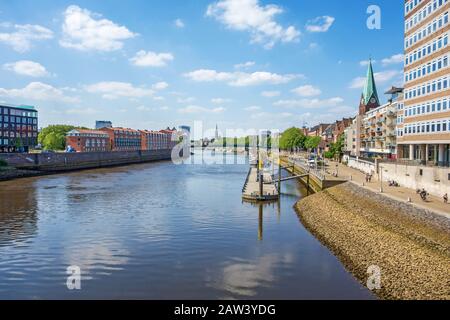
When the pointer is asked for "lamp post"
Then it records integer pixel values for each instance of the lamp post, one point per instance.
(381, 179)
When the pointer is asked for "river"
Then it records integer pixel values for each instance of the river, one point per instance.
(160, 231)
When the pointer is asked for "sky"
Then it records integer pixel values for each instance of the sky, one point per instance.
(241, 64)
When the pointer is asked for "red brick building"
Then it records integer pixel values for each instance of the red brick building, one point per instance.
(88, 140)
(124, 139)
(153, 140)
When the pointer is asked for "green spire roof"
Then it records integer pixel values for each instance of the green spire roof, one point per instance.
(370, 88)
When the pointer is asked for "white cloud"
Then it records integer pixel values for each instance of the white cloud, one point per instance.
(38, 91)
(365, 63)
(27, 68)
(270, 94)
(244, 65)
(82, 111)
(84, 30)
(160, 85)
(151, 59)
(320, 24)
(113, 90)
(239, 79)
(307, 91)
(197, 109)
(380, 78)
(23, 35)
(343, 111)
(252, 108)
(249, 15)
(186, 100)
(144, 108)
(396, 58)
(310, 103)
(207, 75)
(179, 23)
(220, 100)
(271, 116)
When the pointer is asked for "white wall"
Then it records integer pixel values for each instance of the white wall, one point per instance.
(361, 165)
(434, 180)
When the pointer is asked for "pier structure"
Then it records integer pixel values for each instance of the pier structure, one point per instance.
(259, 186)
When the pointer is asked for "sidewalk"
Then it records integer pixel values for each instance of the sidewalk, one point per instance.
(398, 193)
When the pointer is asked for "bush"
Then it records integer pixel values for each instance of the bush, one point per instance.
(3, 163)
(329, 154)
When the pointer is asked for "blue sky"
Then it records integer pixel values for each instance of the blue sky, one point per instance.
(149, 64)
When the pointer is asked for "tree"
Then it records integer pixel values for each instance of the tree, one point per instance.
(336, 148)
(312, 143)
(54, 137)
(292, 138)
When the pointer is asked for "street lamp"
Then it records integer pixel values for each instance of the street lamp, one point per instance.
(381, 179)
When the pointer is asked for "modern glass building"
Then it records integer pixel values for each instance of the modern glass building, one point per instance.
(18, 128)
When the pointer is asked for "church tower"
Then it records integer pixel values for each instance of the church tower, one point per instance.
(369, 97)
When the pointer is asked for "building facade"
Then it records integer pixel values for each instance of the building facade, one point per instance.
(424, 127)
(102, 124)
(156, 140)
(82, 140)
(379, 128)
(124, 139)
(18, 128)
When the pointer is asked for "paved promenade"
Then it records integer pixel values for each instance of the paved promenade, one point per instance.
(398, 193)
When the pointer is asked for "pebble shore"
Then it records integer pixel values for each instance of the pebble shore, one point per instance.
(411, 246)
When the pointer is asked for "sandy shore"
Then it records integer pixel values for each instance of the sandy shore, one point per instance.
(411, 246)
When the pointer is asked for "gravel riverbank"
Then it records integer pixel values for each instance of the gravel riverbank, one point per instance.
(410, 245)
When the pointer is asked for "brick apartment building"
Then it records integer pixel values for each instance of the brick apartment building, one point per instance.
(82, 140)
(124, 139)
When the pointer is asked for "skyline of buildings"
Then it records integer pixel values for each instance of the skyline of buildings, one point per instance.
(415, 122)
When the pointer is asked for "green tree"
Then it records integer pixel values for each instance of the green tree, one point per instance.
(292, 138)
(53, 137)
(312, 143)
(336, 148)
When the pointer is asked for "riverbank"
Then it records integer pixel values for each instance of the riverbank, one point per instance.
(12, 173)
(362, 228)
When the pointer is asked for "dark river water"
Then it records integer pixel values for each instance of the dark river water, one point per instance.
(160, 231)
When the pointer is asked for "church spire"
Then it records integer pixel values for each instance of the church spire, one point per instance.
(370, 93)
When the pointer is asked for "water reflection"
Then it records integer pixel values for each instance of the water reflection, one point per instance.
(159, 231)
(18, 216)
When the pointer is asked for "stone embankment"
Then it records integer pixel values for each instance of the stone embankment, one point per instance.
(411, 246)
(28, 165)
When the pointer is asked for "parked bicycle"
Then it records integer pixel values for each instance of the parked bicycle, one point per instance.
(393, 183)
(423, 194)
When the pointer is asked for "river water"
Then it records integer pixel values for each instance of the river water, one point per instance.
(160, 231)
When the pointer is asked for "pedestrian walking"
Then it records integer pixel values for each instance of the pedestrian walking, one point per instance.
(445, 198)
